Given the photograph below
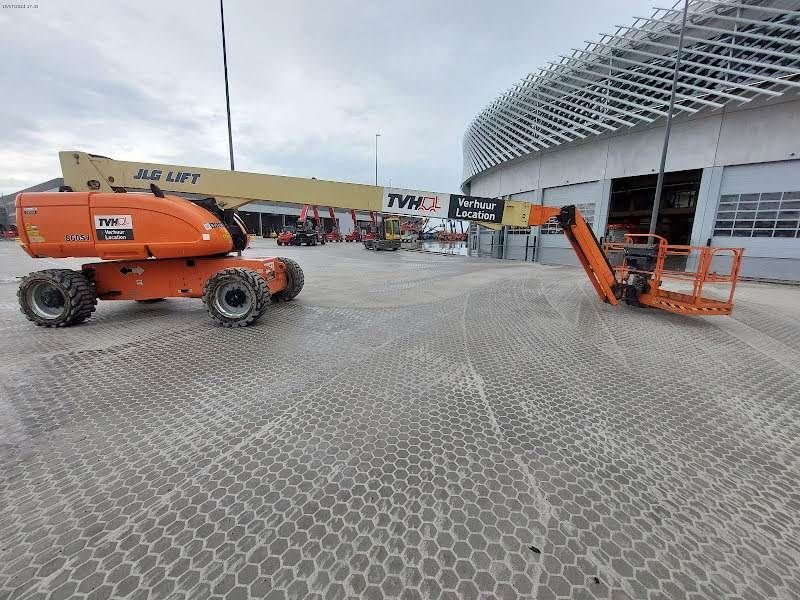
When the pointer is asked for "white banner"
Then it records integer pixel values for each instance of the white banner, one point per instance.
(415, 203)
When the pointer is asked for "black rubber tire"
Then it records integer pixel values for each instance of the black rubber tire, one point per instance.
(295, 279)
(77, 292)
(322, 240)
(251, 283)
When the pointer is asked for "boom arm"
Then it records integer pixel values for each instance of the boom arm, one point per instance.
(584, 243)
(232, 189)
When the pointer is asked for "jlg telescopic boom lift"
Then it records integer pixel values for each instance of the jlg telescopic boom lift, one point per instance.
(153, 245)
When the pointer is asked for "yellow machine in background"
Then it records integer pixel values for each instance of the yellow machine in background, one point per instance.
(386, 234)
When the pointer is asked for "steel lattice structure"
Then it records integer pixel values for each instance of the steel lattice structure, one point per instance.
(733, 53)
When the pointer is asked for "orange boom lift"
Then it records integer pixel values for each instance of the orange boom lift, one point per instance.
(640, 277)
(155, 246)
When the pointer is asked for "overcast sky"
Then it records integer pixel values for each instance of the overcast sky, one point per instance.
(311, 81)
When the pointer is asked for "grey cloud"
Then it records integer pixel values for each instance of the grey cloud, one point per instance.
(311, 82)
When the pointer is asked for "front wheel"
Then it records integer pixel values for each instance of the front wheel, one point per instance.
(56, 297)
(235, 297)
(295, 279)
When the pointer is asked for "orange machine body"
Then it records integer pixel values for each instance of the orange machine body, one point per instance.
(153, 247)
(174, 278)
(117, 226)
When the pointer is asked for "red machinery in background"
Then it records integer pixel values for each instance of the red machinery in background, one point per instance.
(355, 235)
(370, 234)
(286, 236)
(309, 229)
(334, 235)
(449, 233)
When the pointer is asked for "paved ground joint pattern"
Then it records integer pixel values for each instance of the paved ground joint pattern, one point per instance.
(412, 426)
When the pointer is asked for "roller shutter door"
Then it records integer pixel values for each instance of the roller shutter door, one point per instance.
(554, 249)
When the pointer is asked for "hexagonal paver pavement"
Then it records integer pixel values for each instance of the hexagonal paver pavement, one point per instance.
(413, 426)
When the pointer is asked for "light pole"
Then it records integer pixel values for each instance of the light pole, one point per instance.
(227, 93)
(660, 180)
(377, 135)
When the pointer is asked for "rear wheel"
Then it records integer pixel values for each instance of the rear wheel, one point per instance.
(235, 297)
(56, 297)
(295, 279)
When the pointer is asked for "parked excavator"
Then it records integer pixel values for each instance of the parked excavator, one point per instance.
(153, 245)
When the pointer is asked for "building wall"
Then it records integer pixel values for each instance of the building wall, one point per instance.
(553, 248)
(751, 148)
(344, 218)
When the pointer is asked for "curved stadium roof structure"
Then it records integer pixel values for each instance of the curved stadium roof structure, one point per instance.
(734, 52)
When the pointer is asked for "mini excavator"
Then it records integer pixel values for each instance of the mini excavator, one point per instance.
(153, 245)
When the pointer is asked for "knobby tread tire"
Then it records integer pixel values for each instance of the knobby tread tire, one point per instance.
(256, 288)
(79, 295)
(295, 280)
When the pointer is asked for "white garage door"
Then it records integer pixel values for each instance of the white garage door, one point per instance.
(554, 249)
(759, 210)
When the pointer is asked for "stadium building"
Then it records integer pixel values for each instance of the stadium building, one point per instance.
(588, 129)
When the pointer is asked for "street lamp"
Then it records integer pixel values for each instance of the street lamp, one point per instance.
(227, 94)
(377, 135)
(660, 180)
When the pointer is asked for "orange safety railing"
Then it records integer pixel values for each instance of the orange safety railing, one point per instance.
(696, 268)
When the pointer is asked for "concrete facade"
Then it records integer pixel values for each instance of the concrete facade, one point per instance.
(752, 149)
(343, 217)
